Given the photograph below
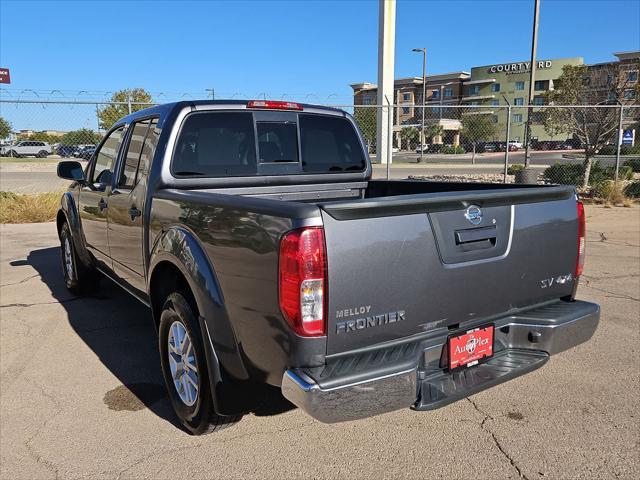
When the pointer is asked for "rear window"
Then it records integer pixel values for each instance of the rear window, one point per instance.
(329, 144)
(216, 145)
(220, 144)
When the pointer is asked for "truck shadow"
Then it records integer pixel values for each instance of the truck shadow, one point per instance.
(121, 332)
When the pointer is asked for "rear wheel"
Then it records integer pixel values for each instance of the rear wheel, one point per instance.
(77, 276)
(184, 368)
(42, 154)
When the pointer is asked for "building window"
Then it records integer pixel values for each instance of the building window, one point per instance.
(495, 102)
(609, 79)
(495, 87)
(435, 94)
(538, 100)
(406, 97)
(474, 89)
(518, 102)
(448, 92)
(519, 85)
(517, 117)
(632, 76)
(539, 85)
(629, 94)
(405, 110)
(435, 110)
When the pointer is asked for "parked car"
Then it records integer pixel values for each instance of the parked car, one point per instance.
(27, 148)
(422, 148)
(516, 143)
(270, 258)
(67, 150)
(85, 152)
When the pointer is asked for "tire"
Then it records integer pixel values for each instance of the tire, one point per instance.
(42, 154)
(12, 153)
(184, 368)
(78, 278)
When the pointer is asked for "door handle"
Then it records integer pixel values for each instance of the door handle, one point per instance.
(134, 213)
(102, 204)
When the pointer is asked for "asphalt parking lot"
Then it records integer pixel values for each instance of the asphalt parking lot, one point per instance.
(81, 393)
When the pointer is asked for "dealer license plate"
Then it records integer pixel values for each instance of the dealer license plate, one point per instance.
(471, 347)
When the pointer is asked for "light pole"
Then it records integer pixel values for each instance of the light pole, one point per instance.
(424, 95)
(532, 80)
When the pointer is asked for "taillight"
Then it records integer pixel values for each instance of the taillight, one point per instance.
(581, 240)
(274, 105)
(302, 280)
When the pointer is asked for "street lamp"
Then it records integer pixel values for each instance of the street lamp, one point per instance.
(424, 95)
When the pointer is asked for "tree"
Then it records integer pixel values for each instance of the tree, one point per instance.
(39, 137)
(80, 137)
(409, 135)
(594, 126)
(365, 117)
(478, 128)
(119, 107)
(433, 130)
(5, 128)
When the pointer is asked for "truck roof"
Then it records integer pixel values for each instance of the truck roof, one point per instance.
(166, 108)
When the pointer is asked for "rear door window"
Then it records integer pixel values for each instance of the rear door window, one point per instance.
(216, 144)
(132, 159)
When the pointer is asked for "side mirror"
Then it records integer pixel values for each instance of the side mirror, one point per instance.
(71, 170)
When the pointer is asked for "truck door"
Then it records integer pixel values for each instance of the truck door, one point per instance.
(93, 199)
(127, 203)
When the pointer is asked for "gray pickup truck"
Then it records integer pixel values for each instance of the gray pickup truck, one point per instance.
(270, 258)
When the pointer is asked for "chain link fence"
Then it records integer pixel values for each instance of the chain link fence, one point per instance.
(589, 146)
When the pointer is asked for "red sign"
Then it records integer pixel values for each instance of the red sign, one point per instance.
(470, 347)
(5, 77)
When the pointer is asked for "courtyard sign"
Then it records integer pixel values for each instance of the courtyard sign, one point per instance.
(518, 67)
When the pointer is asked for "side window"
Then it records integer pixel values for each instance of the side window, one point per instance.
(131, 160)
(106, 157)
(148, 149)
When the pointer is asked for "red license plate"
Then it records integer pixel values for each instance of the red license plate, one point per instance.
(468, 348)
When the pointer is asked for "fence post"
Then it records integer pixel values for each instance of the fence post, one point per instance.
(389, 139)
(129, 102)
(506, 150)
(619, 143)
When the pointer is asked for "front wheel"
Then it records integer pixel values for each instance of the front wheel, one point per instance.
(14, 154)
(184, 368)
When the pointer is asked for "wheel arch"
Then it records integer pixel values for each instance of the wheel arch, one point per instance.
(178, 262)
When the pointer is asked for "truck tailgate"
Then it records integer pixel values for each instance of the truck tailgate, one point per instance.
(405, 265)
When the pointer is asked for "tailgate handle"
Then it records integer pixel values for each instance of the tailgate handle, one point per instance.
(485, 236)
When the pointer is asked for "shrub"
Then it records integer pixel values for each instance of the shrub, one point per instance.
(633, 190)
(572, 174)
(607, 150)
(567, 174)
(514, 168)
(634, 164)
(624, 150)
(452, 149)
(18, 208)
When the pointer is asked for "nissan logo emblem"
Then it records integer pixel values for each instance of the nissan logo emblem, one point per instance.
(473, 214)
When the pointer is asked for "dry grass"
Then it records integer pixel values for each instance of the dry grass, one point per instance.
(18, 208)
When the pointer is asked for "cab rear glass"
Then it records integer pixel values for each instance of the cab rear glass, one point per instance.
(222, 144)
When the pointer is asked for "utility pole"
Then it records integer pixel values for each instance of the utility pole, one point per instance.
(532, 79)
(424, 97)
(386, 53)
(213, 92)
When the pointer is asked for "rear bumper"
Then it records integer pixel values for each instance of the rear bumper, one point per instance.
(542, 331)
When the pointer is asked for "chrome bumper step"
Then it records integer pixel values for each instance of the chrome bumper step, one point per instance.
(442, 388)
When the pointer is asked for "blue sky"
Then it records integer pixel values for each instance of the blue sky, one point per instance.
(307, 50)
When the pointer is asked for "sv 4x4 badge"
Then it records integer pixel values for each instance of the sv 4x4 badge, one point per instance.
(560, 280)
